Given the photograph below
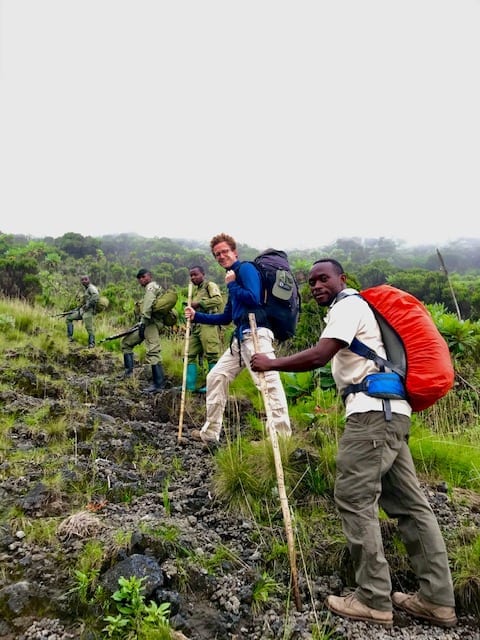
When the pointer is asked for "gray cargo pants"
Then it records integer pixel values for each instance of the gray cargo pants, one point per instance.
(375, 467)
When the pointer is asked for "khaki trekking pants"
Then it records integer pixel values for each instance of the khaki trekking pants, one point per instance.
(227, 368)
(375, 467)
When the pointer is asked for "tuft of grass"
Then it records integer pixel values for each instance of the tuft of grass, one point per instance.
(466, 575)
(85, 588)
(219, 560)
(147, 459)
(262, 591)
(455, 414)
(240, 477)
(245, 474)
(326, 630)
(167, 533)
(177, 465)
(166, 497)
(42, 531)
(121, 541)
(92, 556)
(439, 457)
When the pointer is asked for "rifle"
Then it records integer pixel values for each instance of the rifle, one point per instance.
(64, 313)
(120, 335)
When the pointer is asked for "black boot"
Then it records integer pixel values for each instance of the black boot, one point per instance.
(158, 380)
(128, 363)
(70, 331)
(91, 340)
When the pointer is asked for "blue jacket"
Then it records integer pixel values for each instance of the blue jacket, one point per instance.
(244, 297)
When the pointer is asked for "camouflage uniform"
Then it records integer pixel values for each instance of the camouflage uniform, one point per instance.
(204, 338)
(152, 327)
(86, 312)
(149, 330)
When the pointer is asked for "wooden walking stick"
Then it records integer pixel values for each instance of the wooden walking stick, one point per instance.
(185, 362)
(279, 471)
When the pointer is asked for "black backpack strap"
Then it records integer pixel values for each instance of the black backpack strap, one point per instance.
(361, 387)
(361, 349)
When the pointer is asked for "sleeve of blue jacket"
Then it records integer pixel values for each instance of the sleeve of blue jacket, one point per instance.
(242, 297)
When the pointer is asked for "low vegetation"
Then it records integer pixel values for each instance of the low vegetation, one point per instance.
(37, 363)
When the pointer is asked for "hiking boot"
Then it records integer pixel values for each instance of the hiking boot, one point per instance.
(198, 436)
(260, 443)
(351, 607)
(416, 606)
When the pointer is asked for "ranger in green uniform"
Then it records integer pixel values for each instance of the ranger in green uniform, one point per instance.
(85, 312)
(204, 339)
(149, 330)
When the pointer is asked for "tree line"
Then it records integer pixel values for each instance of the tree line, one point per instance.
(46, 269)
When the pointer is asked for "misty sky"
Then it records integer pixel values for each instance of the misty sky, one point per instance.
(286, 124)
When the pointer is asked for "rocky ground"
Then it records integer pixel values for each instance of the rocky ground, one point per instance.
(111, 420)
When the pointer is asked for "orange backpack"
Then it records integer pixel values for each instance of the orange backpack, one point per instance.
(414, 345)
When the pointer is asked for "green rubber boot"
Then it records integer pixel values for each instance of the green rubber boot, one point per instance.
(192, 373)
(204, 389)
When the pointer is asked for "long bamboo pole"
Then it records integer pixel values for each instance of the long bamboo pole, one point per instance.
(185, 363)
(444, 268)
(272, 433)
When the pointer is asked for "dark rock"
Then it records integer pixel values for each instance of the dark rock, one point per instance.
(139, 566)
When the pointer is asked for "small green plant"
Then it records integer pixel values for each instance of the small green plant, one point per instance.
(84, 585)
(92, 555)
(121, 541)
(7, 321)
(16, 518)
(325, 631)
(177, 465)
(304, 384)
(166, 498)
(148, 459)
(170, 536)
(211, 563)
(86, 573)
(168, 533)
(263, 589)
(279, 550)
(134, 618)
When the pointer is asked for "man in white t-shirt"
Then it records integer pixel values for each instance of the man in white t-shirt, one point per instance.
(374, 466)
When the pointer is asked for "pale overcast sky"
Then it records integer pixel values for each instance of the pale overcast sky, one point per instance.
(286, 124)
